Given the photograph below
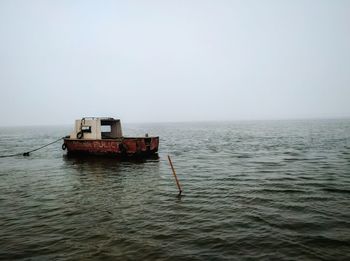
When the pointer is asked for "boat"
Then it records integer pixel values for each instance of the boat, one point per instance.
(103, 136)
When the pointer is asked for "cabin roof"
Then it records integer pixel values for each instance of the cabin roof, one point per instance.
(100, 118)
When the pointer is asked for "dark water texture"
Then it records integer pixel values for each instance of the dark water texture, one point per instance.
(265, 190)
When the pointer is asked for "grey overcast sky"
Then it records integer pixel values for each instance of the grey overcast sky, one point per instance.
(163, 61)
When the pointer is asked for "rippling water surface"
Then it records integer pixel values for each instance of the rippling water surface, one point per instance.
(252, 190)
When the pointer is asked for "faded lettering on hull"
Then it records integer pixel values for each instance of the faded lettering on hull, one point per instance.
(129, 146)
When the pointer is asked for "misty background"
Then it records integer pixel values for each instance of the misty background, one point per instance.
(165, 61)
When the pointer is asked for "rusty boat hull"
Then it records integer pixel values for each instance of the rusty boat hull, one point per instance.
(118, 147)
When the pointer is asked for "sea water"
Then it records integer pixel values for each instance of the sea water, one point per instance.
(259, 190)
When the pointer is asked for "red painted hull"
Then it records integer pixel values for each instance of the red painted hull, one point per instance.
(130, 146)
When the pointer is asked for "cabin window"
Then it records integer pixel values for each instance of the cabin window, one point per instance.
(106, 131)
(86, 129)
(106, 128)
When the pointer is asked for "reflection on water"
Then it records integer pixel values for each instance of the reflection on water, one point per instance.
(253, 190)
(106, 164)
(107, 161)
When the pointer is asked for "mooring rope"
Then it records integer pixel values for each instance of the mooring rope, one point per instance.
(28, 152)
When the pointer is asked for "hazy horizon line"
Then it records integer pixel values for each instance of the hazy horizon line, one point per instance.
(190, 121)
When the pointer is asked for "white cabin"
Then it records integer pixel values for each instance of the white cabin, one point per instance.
(93, 128)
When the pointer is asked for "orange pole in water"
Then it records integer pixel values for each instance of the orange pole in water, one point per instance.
(177, 181)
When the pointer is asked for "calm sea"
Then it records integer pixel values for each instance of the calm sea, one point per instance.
(264, 190)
